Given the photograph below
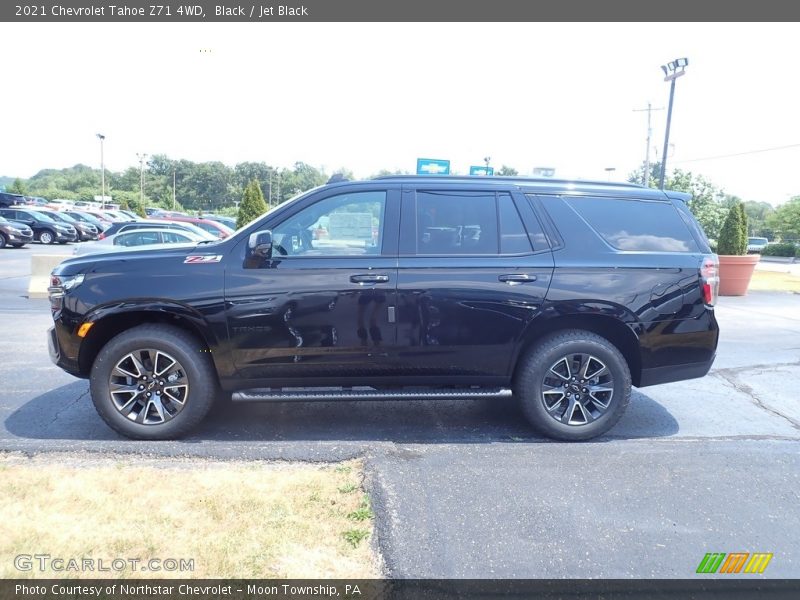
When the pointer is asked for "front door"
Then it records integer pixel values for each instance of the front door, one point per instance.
(324, 304)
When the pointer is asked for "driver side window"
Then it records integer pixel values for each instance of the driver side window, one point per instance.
(348, 224)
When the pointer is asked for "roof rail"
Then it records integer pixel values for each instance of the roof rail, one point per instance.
(514, 179)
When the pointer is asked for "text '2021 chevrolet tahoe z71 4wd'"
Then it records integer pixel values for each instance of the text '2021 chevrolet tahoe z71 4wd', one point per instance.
(564, 293)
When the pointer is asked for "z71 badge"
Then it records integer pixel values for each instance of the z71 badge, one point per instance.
(202, 258)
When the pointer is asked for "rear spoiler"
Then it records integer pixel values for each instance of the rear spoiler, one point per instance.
(682, 196)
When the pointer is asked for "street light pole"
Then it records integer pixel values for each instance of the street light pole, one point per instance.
(101, 137)
(671, 73)
(142, 158)
(486, 160)
(173, 186)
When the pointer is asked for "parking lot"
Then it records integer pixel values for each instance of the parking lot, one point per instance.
(464, 489)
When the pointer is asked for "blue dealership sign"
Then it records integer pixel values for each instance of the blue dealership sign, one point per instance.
(433, 166)
(485, 171)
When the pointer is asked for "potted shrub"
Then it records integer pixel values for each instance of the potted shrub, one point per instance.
(735, 265)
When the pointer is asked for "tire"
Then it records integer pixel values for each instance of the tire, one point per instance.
(3, 241)
(46, 237)
(180, 399)
(18, 245)
(545, 376)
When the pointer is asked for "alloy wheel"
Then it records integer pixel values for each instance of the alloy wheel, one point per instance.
(148, 387)
(577, 389)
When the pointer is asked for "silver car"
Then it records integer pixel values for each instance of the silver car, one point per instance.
(138, 238)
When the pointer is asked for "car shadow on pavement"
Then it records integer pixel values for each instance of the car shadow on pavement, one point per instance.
(67, 413)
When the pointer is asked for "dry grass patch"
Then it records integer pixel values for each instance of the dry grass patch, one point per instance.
(777, 282)
(235, 519)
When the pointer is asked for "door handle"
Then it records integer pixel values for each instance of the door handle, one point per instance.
(369, 278)
(516, 278)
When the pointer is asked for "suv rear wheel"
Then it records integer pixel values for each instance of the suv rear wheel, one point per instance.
(573, 385)
(153, 382)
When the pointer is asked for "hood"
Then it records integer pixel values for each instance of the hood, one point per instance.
(111, 257)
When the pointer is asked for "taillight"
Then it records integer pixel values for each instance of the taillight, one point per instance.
(709, 279)
(101, 236)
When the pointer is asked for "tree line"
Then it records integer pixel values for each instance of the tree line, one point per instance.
(214, 186)
(207, 186)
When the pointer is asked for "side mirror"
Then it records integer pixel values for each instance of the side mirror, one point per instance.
(260, 244)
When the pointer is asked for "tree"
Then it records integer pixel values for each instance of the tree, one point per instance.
(786, 219)
(507, 171)
(252, 206)
(706, 202)
(757, 215)
(637, 176)
(17, 187)
(733, 236)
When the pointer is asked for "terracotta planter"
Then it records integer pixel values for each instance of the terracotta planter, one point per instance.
(735, 273)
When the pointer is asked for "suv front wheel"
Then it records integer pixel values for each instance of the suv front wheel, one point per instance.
(47, 237)
(573, 385)
(153, 382)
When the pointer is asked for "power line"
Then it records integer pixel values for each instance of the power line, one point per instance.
(740, 153)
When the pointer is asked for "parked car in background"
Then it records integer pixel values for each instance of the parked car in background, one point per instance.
(85, 217)
(213, 227)
(756, 244)
(60, 204)
(227, 221)
(45, 229)
(119, 227)
(7, 200)
(86, 231)
(86, 204)
(129, 213)
(107, 215)
(13, 233)
(35, 201)
(138, 238)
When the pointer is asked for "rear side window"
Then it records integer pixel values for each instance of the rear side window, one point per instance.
(456, 222)
(632, 224)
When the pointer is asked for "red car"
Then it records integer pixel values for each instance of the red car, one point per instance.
(213, 227)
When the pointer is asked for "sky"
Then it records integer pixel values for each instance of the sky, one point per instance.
(377, 96)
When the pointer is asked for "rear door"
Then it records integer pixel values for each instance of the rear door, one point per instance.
(473, 271)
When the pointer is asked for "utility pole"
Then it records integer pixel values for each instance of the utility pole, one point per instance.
(646, 174)
(142, 158)
(173, 186)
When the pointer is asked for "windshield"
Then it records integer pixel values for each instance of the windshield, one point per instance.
(41, 217)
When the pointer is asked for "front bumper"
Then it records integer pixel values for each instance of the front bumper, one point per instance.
(57, 355)
(21, 238)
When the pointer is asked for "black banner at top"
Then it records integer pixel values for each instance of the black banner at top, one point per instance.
(264, 11)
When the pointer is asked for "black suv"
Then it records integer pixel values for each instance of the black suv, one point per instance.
(45, 229)
(564, 293)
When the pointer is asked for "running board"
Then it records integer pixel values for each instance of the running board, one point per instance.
(329, 394)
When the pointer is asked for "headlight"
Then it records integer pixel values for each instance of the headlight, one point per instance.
(62, 227)
(15, 230)
(60, 284)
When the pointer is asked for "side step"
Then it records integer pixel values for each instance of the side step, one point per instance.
(332, 394)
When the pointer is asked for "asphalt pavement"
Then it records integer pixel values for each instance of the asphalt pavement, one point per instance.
(464, 489)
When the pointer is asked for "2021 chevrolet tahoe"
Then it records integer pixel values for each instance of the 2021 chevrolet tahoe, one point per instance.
(564, 293)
